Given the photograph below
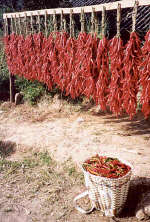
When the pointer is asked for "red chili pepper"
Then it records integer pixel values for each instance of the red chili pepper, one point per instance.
(102, 84)
(115, 99)
(132, 60)
(145, 77)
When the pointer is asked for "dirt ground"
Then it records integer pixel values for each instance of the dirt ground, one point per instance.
(70, 134)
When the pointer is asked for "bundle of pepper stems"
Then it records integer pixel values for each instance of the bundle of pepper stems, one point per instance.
(106, 167)
(105, 70)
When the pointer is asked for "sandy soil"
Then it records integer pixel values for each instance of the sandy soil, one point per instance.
(77, 133)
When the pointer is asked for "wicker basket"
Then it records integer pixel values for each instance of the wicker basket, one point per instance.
(106, 194)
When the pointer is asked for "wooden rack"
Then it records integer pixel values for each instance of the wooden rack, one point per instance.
(78, 10)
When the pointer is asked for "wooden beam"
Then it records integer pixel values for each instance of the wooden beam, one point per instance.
(77, 10)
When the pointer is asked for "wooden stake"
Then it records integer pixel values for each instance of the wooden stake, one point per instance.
(118, 19)
(134, 15)
(12, 87)
(103, 21)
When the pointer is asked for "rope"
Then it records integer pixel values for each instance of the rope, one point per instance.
(31, 24)
(16, 28)
(46, 28)
(134, 15)
(93, 21)
(6, 26)
(103, 21)
(26, 27)
(12, 27)
(39, 22)
(72, 23)
(55, 21)
(19, 23)
(82, 20)
(63, 25)
(118, 19)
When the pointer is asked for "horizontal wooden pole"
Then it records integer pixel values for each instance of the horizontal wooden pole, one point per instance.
(77, 10)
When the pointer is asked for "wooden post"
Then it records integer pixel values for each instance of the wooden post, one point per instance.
(12, 87)
(11, 77)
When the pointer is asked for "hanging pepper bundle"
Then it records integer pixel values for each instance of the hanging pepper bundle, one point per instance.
(29, 68)
(106, 167)
(79, 82)
(90, 71)
(47, 52)
(20, 55)
(54, 59)
(11, 51)
(78, 79)
(116, 52)
(62, 67)
(37, 56)
(102, 83)
(132, 60)
(145, 77)
(70, 60)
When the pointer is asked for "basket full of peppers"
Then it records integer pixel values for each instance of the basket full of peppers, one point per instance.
(107, 180)
(106, 167)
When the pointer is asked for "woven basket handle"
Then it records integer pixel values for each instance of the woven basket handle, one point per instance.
(85, 193)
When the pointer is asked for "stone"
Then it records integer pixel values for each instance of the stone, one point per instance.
(18, 98)
(143, 208)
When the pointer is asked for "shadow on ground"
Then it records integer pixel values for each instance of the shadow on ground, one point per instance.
(137, 126)
(138, 187)
(7, 148)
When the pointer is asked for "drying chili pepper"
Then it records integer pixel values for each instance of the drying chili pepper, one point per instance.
(63, 65)
(70, 54)
(29, 58)
(132, 61)
(106, 167)
(11, 53)
(46, 69)
(145, 77)
(89, 66)
(102, 83)
(116, 52)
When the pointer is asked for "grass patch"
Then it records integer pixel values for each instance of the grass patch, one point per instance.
(38, 178)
